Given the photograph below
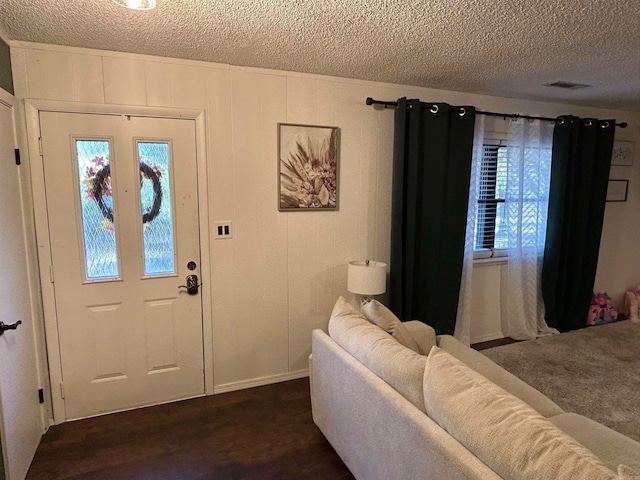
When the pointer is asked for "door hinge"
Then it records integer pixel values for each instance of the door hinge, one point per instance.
(41, 395)
(61, 390)
(51, 273)
(17, 154)
(40, 145)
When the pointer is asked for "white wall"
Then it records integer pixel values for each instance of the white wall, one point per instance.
(619, 261)
(279, 276)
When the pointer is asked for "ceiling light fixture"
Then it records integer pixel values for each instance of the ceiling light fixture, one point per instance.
(137, 4)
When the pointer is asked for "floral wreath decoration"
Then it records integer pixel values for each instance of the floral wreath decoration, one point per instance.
(99, 186)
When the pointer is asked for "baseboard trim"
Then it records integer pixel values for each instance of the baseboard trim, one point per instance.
(258, 382)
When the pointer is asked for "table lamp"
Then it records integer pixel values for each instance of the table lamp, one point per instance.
(367, 278)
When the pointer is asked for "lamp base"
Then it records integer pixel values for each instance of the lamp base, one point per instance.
(364, 299)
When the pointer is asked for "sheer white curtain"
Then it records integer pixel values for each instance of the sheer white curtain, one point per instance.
(525, 215)
(463, 319)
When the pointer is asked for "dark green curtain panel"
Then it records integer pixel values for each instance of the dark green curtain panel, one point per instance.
(580, 165)
(433, 147)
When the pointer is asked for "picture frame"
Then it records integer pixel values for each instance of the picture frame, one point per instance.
(308, 167)
(622, 153)
(617, 190)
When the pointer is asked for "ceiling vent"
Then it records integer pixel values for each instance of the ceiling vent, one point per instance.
(568, 85)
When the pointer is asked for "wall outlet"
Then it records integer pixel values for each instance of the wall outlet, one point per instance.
(223, 230)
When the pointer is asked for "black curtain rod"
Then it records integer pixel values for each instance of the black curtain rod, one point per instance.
(371, 101)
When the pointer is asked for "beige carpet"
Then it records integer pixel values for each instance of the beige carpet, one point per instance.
(594, 372)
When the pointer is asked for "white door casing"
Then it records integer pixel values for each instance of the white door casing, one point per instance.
(133, 339)
(21, 417)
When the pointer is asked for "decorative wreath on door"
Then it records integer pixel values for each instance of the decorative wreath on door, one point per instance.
(100, 188)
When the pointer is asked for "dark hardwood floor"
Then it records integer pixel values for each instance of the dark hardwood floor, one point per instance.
(493, 343)
(259, 433)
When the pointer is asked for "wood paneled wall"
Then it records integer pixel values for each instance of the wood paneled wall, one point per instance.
(280, 274)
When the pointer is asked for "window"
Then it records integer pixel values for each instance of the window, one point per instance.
(490, 232)
(513, 187)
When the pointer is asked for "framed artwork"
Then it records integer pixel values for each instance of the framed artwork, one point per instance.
(622, 153)
(617, 190)
(307, 167)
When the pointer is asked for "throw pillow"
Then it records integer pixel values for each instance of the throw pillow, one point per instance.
(381, 316)
(501, 430)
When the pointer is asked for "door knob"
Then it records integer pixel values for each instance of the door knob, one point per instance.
(192, 284)
(13, 326)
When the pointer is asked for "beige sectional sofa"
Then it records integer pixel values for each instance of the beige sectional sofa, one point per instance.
(395, 412)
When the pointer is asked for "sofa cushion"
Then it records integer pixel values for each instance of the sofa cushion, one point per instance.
(498, 375)
(397, 365)
(627, 473)
(423, 334)
(508, 435)
(381, 316)
(611, 447)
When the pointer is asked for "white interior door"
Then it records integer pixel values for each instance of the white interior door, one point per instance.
(123, 222)
(21, 426)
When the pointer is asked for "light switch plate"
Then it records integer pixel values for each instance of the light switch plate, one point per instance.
(222, 230)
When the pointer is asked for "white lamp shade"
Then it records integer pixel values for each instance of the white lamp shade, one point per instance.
(367, 278)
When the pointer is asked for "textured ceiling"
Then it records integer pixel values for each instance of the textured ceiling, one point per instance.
(500, 47)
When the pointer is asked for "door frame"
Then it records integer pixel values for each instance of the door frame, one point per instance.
(32, 110)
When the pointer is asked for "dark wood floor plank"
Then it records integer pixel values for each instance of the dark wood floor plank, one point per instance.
(260, 433)
(493, 343)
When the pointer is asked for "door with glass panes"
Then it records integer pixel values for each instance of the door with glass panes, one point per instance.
(122, 207)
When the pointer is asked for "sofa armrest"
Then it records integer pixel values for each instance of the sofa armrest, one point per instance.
(423, 334)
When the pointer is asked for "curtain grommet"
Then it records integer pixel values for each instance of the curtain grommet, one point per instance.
(588, 123)
(605, 124)
(560, 121)
(434, 109)
(462, 112)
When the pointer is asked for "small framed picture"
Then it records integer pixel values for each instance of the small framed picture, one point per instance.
(617, 190)
(307, 167)
(622, 153)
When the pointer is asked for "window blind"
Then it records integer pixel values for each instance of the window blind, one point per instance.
(490, 231)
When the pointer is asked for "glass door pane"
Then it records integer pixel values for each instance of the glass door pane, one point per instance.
(157, 211)
(96, 208)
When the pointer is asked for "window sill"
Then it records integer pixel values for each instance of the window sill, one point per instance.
(488, 257)
(489, 261)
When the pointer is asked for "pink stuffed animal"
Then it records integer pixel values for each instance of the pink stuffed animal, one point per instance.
(632, 299)
(592, 316)
(600, 310)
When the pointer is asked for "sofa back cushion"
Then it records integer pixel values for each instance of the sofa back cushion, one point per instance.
(394, 363)
(498, 375)
(508, 435)
(612, 447)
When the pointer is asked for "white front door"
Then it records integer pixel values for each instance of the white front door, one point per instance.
(122, 206)
(21, 426)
